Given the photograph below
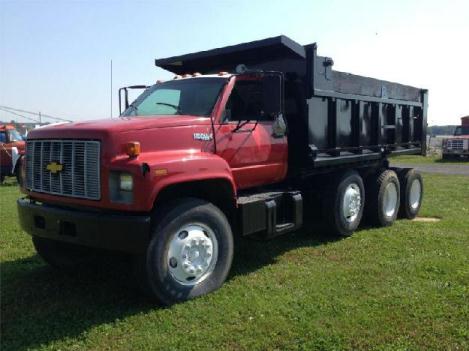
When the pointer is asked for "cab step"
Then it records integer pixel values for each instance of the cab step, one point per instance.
(270, 214)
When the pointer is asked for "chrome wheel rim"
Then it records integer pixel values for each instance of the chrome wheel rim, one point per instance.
(352, 202)
(415, 194)
(192, 254)
(390, 199)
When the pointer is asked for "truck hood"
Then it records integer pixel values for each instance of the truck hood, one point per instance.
(157, 133)
(100, 129)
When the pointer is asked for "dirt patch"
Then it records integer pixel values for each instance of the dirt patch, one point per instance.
(427, 219)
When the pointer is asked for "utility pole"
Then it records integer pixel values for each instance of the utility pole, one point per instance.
(40, 118)
(111, 89)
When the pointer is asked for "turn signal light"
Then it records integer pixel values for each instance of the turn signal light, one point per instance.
(132, 149)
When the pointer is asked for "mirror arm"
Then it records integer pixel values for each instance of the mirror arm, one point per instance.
(240, 125)
(126, 98)
(255, 125)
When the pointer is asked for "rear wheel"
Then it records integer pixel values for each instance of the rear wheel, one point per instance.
(383, 198)
(190, 252)
(62, 255)
(344, 201)
(411, 193)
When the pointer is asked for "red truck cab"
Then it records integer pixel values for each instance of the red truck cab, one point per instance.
(12, 148)
(175, 145)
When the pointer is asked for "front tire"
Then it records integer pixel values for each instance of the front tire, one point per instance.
(190, 252)
(344, 202)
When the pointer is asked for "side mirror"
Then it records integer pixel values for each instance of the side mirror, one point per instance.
(279, 127)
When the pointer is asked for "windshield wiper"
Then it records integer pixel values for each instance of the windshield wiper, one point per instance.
(177, 108)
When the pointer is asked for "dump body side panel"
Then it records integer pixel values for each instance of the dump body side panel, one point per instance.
(353, 118)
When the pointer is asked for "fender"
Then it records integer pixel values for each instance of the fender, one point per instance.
(182, 166)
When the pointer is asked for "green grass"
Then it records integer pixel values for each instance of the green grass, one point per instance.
(400, 288)
(432, 159)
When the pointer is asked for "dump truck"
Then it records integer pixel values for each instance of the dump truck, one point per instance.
(11, 151)
(253, 140)
(457, 147)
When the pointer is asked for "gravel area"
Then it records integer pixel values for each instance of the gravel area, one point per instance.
(433, 168)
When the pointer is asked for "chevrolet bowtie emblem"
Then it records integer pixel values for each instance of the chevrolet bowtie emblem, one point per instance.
(54, 167)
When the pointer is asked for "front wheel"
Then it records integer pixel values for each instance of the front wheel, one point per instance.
(190, 252)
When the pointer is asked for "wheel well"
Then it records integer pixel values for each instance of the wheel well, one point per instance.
(217, 191)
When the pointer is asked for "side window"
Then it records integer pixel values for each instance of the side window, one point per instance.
(255, 99)
(3, 137)
(246, 102)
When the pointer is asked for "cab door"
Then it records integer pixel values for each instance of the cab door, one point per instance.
(250, 135)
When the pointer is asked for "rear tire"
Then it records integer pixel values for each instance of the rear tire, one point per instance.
(383, 198)
(411, 193)
(62, 255)
(344, 203)
(190, 252)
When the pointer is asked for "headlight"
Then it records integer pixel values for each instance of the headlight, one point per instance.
(121, 187)
(126, 182)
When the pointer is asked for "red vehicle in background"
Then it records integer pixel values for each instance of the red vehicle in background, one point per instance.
(11, 150)
(458, 146)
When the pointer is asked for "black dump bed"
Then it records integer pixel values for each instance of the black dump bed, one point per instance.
(333, 117)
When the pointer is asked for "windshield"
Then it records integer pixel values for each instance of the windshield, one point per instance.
(195, 97)
(14, 135)
(461, 131)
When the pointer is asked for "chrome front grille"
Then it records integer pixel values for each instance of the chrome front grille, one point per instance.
(64, 167)
(455, 144)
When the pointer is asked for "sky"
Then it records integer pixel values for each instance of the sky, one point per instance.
(55, 55)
